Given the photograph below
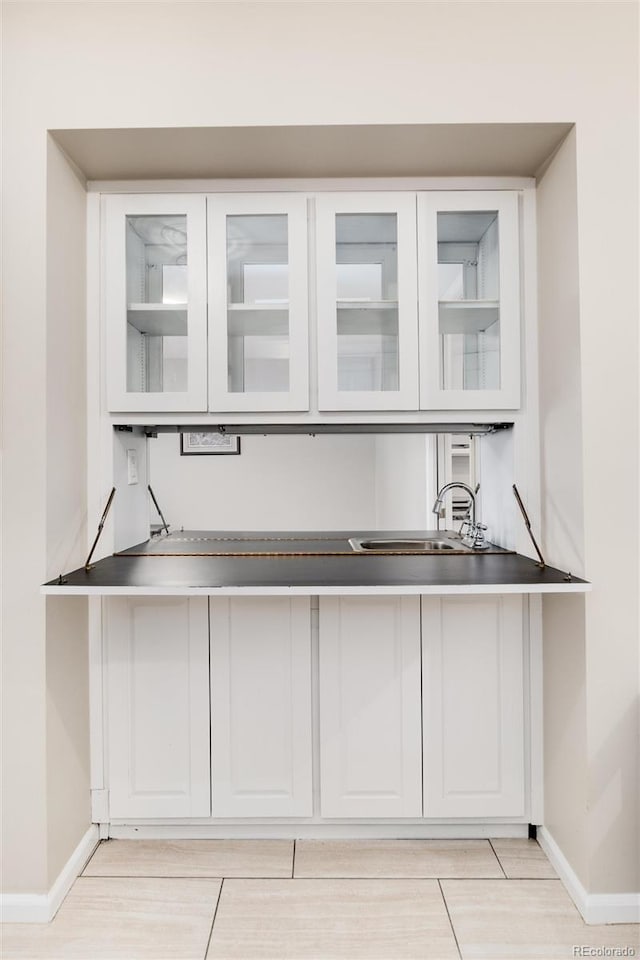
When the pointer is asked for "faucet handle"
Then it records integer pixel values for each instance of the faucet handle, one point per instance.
(465, 528)
(477, 533)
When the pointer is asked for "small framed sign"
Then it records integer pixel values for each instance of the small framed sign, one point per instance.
(212, 442)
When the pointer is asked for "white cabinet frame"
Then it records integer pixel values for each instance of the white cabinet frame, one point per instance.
(295, 208)
(432, 396)
(116, 209)
(329, 396)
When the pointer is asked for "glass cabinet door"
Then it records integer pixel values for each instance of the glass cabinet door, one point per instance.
(156, 303)
(366, 295)
(258, 302)
(468, 266)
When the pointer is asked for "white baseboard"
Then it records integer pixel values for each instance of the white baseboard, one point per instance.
(42, 907)
(24, 908)
(594, 907)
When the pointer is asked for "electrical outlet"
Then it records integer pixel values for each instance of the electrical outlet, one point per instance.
(132, 466)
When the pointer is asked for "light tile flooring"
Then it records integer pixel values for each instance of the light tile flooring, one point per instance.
(276, 899)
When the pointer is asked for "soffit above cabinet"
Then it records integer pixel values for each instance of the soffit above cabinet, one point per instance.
(367, 150)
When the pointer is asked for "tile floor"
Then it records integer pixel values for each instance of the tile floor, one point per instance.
(276, 899)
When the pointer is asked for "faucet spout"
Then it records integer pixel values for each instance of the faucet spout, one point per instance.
(438, 507)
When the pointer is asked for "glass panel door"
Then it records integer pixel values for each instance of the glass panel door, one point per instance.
(469, 300)
(156, 302)
(367, 301)
(367, 328)
(258, 303)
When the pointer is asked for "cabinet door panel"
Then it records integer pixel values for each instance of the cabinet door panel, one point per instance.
(366, 295)
(158, 707)
(469, 300)
(261, 707)
(258, 302)
(473, 706)
(370, 742)
(156, 303)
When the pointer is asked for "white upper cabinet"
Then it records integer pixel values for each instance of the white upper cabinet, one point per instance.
(469, 297)
(156, 303)
(366, 301)
(258, 302)
(415, 299)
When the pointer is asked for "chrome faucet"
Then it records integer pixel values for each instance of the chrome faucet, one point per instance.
(474, 537)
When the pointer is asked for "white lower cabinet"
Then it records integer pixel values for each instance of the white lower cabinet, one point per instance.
(261, 751)
(157, 652)
(421, 709)
(370, 740)
(473, 706)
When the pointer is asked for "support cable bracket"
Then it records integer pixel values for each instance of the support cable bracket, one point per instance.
(87, 565)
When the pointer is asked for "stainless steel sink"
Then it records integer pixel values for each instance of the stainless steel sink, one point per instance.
(417, 545)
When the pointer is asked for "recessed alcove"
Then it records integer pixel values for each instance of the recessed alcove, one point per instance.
(74, 72)
(349, 150)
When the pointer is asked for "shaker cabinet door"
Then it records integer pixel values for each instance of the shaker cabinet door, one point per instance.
(157, 656)
(261, 707)
(473, 706)
(156, 303)
(370, 743)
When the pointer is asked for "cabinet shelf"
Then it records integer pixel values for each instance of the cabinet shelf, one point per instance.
(274, 305)
(159, 319)
(363, 317)
(257, 319)
(367, 304)
(467, 316)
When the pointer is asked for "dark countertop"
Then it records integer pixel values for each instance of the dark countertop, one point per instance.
(149, 568)
(267, 543)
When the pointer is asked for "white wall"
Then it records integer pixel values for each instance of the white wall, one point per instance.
(564, 634)
(498, 507)
(68, 813)
(68, 801)
(591, 657)
(346, 482)
(566, 758)
(66, 492)
(405, 471)
(277, 483)
(561, 458)
(130, 508)
(85, 64)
